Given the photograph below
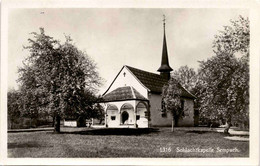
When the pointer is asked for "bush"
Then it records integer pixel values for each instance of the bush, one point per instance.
(26, 123)
(81, 122)
(19, 123)
(43, 122)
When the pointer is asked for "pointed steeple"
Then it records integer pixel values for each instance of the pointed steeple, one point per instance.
(165, 68)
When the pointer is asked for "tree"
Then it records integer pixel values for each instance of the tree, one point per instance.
(235, 39)
(13, 107)
(172, 100)
(186, 76)
(99, 112)
(224, 78)
(29, 105)
(57, 77)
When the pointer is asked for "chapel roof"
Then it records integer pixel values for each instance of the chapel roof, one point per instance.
(155, 82)
(123, 93)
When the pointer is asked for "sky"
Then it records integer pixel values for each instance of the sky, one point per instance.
(121, 36)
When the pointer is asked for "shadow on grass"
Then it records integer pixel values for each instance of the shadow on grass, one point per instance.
(114, 131)
(212, 131)
(236, 135)
(25, 145)
(199, 132)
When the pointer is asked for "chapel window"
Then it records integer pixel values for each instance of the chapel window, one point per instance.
(113, 117)
(164, 114)
(163, 110)
(146, 113)
(184, 112)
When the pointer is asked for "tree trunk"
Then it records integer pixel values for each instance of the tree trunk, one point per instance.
(176, 120)
(10, 123)
(30, 122)
(173, 124)
(57, 124)
(228, 125)
(53, 121)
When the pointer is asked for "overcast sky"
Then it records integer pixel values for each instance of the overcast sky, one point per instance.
(117, 37)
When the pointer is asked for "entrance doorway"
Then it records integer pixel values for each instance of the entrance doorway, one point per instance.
(125, 117)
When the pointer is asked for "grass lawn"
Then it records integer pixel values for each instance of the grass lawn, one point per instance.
(125, 143)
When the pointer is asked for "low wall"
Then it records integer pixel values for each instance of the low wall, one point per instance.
(70, 123)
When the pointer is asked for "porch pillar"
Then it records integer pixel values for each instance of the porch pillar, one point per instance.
(106, 115)
(135, 125)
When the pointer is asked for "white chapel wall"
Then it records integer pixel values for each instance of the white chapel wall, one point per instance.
(188, 119)
(128, 80)
(155, 110)
(158, 120)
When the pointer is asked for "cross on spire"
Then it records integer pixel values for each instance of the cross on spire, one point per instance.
(165, 68)
(164, 19)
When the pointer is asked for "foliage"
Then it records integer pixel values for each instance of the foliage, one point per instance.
(234, 39)
(224, 78)
(172, 99)
(99, 112)
(13, 107)
(186, 76)
(18, 116)
(57, 78)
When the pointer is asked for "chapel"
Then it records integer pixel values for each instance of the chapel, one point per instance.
(134, 98)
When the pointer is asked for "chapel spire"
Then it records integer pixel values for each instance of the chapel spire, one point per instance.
(165, 68)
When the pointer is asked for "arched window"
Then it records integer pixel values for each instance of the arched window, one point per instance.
(184, 112)
(163, 109)
(127, 106)
(127, 113)
(112, 107)
(112, 110)
(141, 110)
(141, 105)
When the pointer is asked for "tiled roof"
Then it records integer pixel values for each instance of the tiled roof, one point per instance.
(186, 93)
(154, 82)
(124, 93)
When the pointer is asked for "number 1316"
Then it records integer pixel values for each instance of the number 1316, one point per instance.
(165, 149)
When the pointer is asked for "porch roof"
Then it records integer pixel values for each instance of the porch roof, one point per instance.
(123, 93)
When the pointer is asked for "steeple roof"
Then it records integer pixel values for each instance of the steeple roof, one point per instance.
(165, 67)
